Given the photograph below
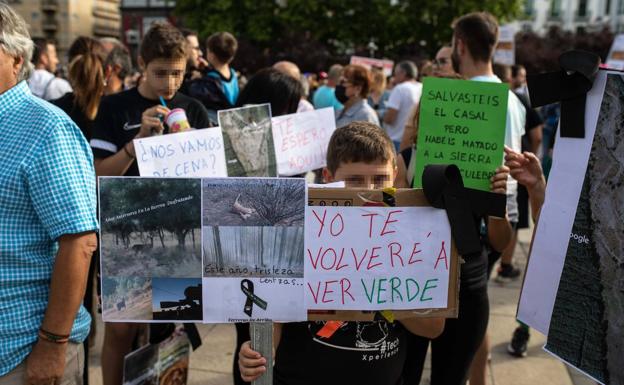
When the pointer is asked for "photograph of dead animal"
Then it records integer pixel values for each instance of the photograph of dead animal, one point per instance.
(253, 202)
(150, 227)
(253, 227)
(248, 140)
(126, 298)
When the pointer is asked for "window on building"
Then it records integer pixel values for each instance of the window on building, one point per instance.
(529, 7)
(607, 7)
(620, 7)
(582, 8)
(555, 8)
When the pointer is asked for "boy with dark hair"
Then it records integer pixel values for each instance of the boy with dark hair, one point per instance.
(137, 113)
(362, 155)
(218, 88)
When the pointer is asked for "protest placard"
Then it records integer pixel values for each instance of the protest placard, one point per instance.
(573, 286)
(505, 52)
(253, 239)
(369, 62)
(463, 123)
(165, 363)
(360, 256)
(195, 153)
(615, 59)
(301, 140)
(181, 249)
(248, 140)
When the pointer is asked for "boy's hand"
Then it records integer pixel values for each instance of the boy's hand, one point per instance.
(250, 363)
(150, 121)
(498, 183)
(525, 168)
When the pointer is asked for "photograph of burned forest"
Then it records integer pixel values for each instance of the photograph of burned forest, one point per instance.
(150, 227)
(253, 227)
(248, 140)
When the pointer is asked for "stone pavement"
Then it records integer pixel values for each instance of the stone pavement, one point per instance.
(212, 363)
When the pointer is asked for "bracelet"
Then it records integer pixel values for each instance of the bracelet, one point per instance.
(128, 152)
(51, 337)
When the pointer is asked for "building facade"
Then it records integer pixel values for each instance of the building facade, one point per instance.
(572, 15)
(64, 20)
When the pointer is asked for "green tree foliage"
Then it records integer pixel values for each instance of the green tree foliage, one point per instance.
(399, 28)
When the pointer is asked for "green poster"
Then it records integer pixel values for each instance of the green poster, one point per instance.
(462, 122)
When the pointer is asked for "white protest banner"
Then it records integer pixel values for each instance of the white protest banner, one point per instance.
(195, 153)
(369, 62)
(505, 52)
(301, 140)
(376, 258)
(615, 59)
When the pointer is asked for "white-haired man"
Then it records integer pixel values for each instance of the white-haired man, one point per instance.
(47, 225)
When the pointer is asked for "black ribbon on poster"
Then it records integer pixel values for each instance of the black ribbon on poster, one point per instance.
(568, 86)
(444, 189)
(247, 287)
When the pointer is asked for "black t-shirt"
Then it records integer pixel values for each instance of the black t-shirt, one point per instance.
(119, 120)
(68, 104)
(533, 120)
(371, 353)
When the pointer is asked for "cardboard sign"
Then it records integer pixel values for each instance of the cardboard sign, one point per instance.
(615, 59)
(364, 277)
(166, 363)
(463, 123)
(505, 52)
(301, 140)
(195, 153)
(248, 139)
(211, 250)
(386, 65)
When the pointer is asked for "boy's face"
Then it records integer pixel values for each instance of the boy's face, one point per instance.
(163, 77)
(363, 175)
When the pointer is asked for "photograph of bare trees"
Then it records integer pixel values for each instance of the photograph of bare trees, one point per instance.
(253, 227)
(248, 140)
(150, 227)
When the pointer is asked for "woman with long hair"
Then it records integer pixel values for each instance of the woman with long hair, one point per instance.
(86, 76)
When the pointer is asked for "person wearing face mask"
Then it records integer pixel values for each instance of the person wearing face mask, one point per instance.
(352, 92)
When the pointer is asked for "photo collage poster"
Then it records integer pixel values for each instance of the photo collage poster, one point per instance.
(155, 232)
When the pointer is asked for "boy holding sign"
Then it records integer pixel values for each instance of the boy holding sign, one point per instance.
(362, 155)
(139, 113)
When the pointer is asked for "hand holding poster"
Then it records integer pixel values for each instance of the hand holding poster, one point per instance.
(301, 140)
(192, 153)
(377, 258)
(463, 123)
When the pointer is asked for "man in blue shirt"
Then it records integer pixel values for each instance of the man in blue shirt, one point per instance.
(325, 96)
(47, 225)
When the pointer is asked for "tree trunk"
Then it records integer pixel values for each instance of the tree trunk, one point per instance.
(217, 246)
(161, 235)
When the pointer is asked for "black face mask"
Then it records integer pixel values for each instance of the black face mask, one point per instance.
(341, 93)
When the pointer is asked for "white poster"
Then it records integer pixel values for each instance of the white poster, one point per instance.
(376, 258)
(301, 140)
(195, 153)
(554, 227)
(369, 62)
(505, 52)
(615, 59)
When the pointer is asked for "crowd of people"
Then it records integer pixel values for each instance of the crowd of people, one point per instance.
(59, 134)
